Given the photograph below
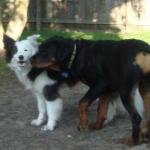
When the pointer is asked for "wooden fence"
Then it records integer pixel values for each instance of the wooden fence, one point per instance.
(106, 15)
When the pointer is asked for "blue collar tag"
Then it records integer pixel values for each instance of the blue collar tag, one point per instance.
(65, 74)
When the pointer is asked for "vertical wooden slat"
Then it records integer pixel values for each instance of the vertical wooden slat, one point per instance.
(49, 9)
(82, 9)
(38, 15)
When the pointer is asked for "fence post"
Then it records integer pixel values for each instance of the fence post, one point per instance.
(38, 15)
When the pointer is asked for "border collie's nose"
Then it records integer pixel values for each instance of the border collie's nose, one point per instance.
(21, 57)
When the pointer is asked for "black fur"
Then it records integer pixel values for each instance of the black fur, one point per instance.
(105, 66)
(51, 92)
(34, 72)
(10, 47)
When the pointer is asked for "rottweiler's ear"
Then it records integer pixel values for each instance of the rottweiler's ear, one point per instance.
(39, 61)
(8, 41)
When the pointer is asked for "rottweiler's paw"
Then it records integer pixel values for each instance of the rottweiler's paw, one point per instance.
(95, 126)
(144, 135)
(83, 128)
(129, 141)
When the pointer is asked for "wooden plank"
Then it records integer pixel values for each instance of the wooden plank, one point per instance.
(38, 15)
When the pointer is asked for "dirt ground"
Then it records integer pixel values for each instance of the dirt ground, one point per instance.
(18, 108)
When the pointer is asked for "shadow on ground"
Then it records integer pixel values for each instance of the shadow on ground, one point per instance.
(18, 108)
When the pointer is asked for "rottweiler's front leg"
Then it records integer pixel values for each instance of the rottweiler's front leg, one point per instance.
(83, 111)
(86, 101)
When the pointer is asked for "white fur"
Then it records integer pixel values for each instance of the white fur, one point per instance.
(51, 110)
(116, 107)
(138, 103)
(54, 109)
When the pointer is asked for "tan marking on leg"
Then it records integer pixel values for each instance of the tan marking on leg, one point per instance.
(128, 141)
(145, 124)
(143, 61)
(101, 112)
(83, 110)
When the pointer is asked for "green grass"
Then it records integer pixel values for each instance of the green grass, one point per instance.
(3, 67)
(145, 36)
(73, 35)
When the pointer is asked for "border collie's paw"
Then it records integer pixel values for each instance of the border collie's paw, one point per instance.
(47, 128)
(37, 122)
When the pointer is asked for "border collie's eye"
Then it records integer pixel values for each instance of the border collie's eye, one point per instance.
(25, 50)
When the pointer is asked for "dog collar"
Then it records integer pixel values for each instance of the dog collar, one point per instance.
(72, 56)
(66, 74)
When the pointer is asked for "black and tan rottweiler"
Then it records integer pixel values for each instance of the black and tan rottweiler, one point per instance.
(106, 66)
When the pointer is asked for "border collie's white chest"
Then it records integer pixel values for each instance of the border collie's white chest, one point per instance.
(22, 74)
(39, 82)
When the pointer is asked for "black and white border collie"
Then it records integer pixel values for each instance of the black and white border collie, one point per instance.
(18, 54)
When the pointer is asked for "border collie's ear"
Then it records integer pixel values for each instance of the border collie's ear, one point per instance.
(8, 41)
(33, 37)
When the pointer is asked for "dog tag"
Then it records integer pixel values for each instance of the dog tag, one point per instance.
(65, 74)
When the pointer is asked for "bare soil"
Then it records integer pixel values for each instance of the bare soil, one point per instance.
(18, 108)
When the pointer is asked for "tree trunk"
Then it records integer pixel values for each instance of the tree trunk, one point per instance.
(1, 29)
(18, 20)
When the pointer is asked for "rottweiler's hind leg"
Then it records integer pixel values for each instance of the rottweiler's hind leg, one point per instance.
(101, 112)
